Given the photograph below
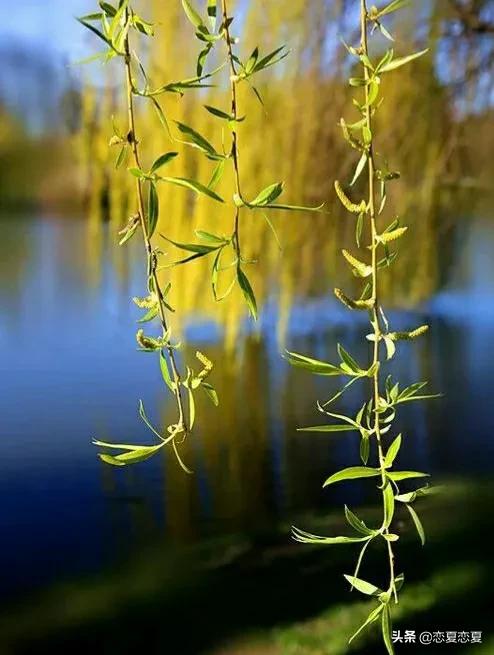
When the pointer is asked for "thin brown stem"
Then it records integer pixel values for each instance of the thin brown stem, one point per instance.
(375, 289)
(151, 262)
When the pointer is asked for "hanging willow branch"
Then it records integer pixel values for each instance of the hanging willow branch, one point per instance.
(114, 25)
(210, 34)
(374, 420)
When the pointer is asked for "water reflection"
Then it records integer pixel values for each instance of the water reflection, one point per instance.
(71, 371)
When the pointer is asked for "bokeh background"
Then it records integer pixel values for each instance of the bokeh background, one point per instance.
(147, 559)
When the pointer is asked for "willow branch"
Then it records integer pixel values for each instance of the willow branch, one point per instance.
(375, 286)
(151, 259)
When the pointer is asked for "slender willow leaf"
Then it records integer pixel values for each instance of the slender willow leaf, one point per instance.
(386, 629)
(313, 365)
(268, 195)
(418, 523)
(193, 185)
(401, 61)
(211, 393)
(352, 473)
(308, 538)
(363, 586)
(219, 113)
(393, 6)
(405, 475)
(196, 139)
(389, 504)
(328, 428)
(359, 168)
(165, 372)
(356, 523)
(212, 9)
(192, 14)
(249, 296)
(217, 174)
(392, 452)
(162, 160)
(134, 456)
(153, 208)
(198, 248)
(348, 360)
(373, 616)
(294, 208)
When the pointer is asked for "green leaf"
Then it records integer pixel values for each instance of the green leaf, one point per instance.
(212, 11)
(393, 6)
(201, 59)
(389, 504)
(360, 167)
(150, 314)
(219, 113)
(197, 140)
(418, 523)
(356, 523)
(363, 586)
(364, 448)
(390, 346)
(121, 156)
(193, 185)
(405, 475)
(96, 31)
(328, 428)
(386, 630)
(313, 365)
(348, 360)
(211, 238)
(108, 8)
(249, 296)
(268, 195)
(153, 208)
(308, 538)
(392, 452)
(270, 60)
(162, 160)
(211, 393)
(372, 617)
(192, 14)
(166, 373)
(198, 248)
(293, 208)
(134, 454)
(160, 114)
(136, 172)
(217, 174)
(192, 407)
(352, 473)
(401, 61)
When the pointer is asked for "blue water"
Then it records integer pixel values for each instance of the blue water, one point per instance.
(70, 371)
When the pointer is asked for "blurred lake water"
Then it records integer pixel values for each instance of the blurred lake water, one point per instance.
(70, 371)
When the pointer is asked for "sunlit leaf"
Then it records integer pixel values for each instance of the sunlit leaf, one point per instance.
(193, 185)
(162, 160)
(249, 296)
(313, 365)
(405, 475)
(352, 473)
(363, 586)
(401, 61)
(418, 523)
